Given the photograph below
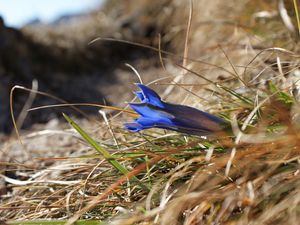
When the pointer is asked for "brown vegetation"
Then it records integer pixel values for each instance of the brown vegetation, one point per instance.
(241, 61)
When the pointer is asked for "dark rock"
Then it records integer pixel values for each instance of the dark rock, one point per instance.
(72, 73)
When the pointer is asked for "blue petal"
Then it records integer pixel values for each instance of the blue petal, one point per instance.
(158, 114)
(134, 127)
(189, 117)
(149, 111)
(147, 123)
(140, 95)
(150, 96)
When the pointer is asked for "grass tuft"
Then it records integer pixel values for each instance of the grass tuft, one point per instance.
(250, 175)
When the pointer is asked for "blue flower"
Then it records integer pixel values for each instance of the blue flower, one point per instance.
(155, 113)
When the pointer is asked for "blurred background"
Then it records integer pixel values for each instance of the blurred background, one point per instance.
(49, 41)
(19, 13)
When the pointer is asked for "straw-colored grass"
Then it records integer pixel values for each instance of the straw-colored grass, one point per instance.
(250, 175)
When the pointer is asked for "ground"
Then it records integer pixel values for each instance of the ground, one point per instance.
(235, 60)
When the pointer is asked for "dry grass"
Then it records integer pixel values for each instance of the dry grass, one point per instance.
(251, 177)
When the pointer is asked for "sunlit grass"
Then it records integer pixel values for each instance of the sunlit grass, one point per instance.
(187, 174)
(247, 175)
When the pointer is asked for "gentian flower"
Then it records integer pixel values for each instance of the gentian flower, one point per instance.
(155, 113)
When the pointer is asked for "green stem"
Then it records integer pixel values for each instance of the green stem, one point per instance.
(297, 15)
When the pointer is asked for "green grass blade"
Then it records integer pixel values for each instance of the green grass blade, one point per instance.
(104, 152)
(297, 15)
(237, 95)
(280, 95)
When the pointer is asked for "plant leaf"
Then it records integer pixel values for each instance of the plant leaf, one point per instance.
(104, 152)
